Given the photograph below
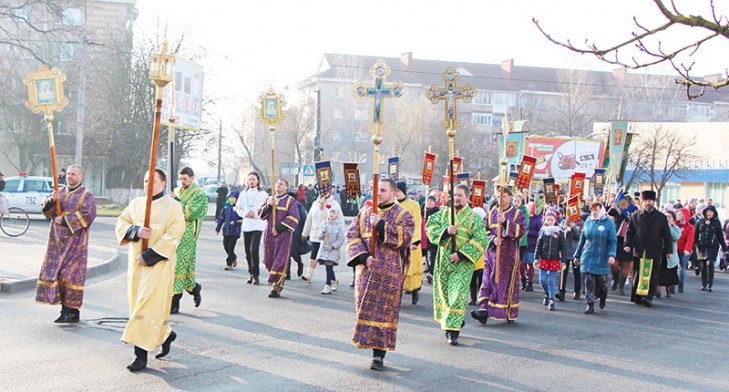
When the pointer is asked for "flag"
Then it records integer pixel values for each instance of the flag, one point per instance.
(351, 181)
(577, 184)
(324, 177)
(393, 168)
(512, 177)
(550, 191)
(457, 166)
(428, 167)
(526, 172)
(513, 149)
(462, 178)
(478, 191)
(598, 181)
(625, 204)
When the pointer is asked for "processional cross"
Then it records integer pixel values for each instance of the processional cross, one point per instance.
(378, 91)
(451, 93)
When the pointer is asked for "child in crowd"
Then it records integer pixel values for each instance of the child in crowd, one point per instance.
(332, 237)
(550, 255)
(231, 224)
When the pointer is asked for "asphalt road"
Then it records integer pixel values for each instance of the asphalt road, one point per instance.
(241, 340)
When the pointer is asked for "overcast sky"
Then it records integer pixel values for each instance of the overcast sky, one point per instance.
(251, 45)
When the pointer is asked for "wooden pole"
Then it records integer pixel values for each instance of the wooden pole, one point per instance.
(272, 128)
(376, 140)
(451, 147)
(152, 161)
(54, 164)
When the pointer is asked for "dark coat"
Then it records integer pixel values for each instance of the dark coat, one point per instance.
(298, 247)
(648, 232)
(229, 221)
(708, 235)
(551, 245)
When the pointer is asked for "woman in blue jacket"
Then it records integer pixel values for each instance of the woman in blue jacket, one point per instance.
(595, 253)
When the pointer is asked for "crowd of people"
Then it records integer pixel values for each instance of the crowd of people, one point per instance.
(473, 255)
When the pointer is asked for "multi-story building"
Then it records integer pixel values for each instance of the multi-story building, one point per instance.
(553, 101)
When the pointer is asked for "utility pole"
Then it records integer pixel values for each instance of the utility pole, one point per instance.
(81, 98)
(318, 151)
(220, 150)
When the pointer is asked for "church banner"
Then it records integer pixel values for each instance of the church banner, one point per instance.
(598, 181)
(457, 166)
(428, 167)
(393, 168)
(351, 181)
(462, 178)
(478, 191)
(526, 172)
(577, 184)
(617, 139)
(573, 209)
(514, 149)
(624, 160)
(550, 191)
(324, 176)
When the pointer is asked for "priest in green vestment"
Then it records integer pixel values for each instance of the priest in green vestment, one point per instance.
(453, 270)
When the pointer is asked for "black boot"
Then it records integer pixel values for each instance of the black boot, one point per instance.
(415, 297)
(300, 268)
(140, 362)
(196, 298)
(615, 285)
(481, 315)
(523, 284)
(175, 307)
(452, 337)
(590, 309)
(63, 318)
(529, 287)
(166, 345)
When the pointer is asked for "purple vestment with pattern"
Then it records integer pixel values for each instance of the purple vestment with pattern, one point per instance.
(277, 249)
(499, 291)
(378, 290)
(63, 273)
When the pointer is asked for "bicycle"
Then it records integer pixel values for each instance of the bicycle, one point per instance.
(14, 222)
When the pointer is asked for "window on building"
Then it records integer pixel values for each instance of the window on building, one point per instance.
(717, 192)
(678, 110)
(482, 98)
(671, 191)
(338, 135)
(481, 118)
(361, 136)
(699, 110)
(505, 99)
(72, 17)
(337, 114)
(360, 115)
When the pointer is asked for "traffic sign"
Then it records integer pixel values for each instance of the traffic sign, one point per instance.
(308, 170)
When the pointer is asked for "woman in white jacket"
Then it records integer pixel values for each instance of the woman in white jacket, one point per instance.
(317, 215)
(247, 206)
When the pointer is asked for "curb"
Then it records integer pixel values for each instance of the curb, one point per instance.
(105, 266)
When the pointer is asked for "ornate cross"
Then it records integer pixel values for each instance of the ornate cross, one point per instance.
(379, 90)
(451, 94)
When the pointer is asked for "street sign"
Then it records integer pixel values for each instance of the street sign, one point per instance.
(308, 170)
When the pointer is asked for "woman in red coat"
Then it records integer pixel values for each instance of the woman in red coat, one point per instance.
(685, 244)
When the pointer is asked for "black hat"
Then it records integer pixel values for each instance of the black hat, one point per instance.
(402, 186)
(648, 195)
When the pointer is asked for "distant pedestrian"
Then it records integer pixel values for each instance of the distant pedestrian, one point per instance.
(247, 208)
(708, 237)
(331, 235)
(668, 273)
(222, 192)
(62, 177)
(685, 245)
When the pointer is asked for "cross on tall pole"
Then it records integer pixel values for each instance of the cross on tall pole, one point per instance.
(450, 94)
(378, 91)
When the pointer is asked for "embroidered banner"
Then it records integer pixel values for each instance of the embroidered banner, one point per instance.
(393, 168)
(598, 181)
(351, 181)
(462, 178)
(617, 139)
(526, 172)
(550, 191)
(428, 167)
(577, 184)
(573, 209)
(324, 177)
(478, 191)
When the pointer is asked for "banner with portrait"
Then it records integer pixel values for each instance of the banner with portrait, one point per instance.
(351, 181)
(324, 177)
(598, 182)
(513, 149)
(428, 167)
(393, 168)
(573, 209)
(478, 192)
(526, 172)
(624, 160)
(457, 166)
(463, 179)
(577, 184)
(550, 195)
(616, 141)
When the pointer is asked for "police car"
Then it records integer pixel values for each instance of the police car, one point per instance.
(27, 192)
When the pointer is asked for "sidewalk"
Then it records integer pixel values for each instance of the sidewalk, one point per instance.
(21, 258)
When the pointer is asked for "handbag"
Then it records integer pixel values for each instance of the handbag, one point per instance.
(304, 247)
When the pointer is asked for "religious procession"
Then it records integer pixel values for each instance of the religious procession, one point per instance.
(574, 227)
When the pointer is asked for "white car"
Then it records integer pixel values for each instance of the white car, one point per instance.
(27, 192)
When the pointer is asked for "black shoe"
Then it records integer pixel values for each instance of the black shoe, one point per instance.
(590, 309)
(352, 284)
(529, 287)
(196, 298)
(703, 288)
(452, 338)
(481, 315)
(602, 302)
(559, 296)
(658, 295)
(175, 307)
(377, 363)
(614, 286)
(250, 280)
(523, 284)
(166, 345)
(697, 272)
(707, 289)
(416, 297)
(429, 278)
(646, 302)
(576, 295)
(140, 362)
(672, 290)
(274, 294)
(546, 301)
(300, 269)
(472, 302)
(256, 282)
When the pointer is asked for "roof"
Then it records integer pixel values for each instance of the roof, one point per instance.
(493, 77)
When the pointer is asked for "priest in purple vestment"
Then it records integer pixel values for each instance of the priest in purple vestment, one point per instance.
(379, 277)
(499, 296)
(63, 273)
(278, 234)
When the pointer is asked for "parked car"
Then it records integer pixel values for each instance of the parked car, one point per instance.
(212, 192)
(27, 192)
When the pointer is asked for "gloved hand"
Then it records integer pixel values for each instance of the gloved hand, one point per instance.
(562, 266)
(536, 264)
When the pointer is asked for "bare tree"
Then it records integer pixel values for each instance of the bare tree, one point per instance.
(663, 154)
(646, 40)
